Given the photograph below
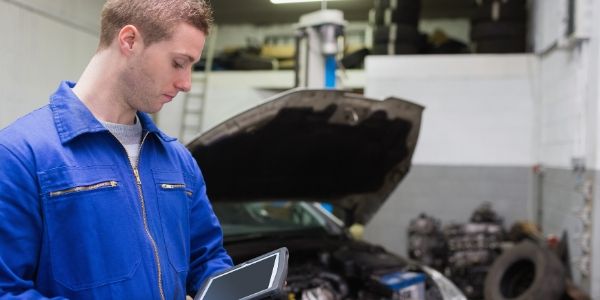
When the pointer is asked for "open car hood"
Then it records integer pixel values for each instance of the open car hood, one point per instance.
(312, 145)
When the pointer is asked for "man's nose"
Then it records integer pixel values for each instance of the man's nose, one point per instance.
(184, 83)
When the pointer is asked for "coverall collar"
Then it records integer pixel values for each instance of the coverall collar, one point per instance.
(72, 118)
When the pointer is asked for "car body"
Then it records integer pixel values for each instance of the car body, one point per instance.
(269, 169)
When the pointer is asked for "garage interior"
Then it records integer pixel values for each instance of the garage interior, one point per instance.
(517, 132)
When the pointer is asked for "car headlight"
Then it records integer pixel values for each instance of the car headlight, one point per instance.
(448, 290)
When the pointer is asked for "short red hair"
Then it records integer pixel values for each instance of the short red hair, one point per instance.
(155, 19)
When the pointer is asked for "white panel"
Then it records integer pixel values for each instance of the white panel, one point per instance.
(9, 17)
(228, 94)
(564, 115)
(232, 92)
(594, 124)
(547, 22)
(84, 14)
(479, 109)
(37, 53)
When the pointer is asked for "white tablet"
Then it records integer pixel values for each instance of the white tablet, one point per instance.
(262, 277)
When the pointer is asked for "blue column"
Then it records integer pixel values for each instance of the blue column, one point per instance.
(330, 65)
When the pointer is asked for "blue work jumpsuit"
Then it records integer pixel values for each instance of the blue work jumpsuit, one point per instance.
(78, 221)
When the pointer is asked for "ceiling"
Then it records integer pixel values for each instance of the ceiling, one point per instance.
(263, 12)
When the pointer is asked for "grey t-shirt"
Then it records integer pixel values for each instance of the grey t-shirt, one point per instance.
(130, 137)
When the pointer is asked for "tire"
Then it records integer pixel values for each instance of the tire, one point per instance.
(406, 49)
(380, 49)
(395, 33)
(397, 48)
(375, 18)
(413, 5)
(405, 16)
(501, 46)
(407, 12)
(389, 16)
(381, 17)
(492, 30)
(525, 272)
(383, 4)
(499, 11)
(509, 4)
(401, 12)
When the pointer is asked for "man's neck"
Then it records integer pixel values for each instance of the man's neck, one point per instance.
(98, 89)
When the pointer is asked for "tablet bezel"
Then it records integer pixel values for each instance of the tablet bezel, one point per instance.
(276, 283)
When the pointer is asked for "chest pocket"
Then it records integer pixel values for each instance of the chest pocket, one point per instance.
(174, 196)
(91, 235)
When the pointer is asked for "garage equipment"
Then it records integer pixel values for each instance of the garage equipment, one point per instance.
(317, 48)
(426, 242)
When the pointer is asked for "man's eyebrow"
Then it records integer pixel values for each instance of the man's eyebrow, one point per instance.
(189, 57)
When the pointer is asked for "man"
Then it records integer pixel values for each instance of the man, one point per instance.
(95, 201)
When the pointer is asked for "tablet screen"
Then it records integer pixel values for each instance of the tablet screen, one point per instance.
(244, 281)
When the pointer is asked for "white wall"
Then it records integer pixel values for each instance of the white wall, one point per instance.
(478, 108)
(568, 125)
(43, 43)
(568, 93)
(563, 76)
(593, 108)
(546, 23)
(232, 92)
(228, 94)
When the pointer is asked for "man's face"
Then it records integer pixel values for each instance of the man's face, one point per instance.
(161, 70)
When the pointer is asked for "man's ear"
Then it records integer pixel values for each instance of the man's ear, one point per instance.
(129, 38)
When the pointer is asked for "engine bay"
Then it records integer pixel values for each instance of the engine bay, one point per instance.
(348, 271)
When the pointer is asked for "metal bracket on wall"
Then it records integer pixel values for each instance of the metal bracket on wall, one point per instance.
(584, 214)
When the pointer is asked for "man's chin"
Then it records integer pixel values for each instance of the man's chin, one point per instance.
(152, 110)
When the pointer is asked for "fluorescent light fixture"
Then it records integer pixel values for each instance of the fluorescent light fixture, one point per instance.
(297, 1)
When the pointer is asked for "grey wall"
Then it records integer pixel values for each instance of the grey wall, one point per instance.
(43, 42)
(451, 193)
(476, 142)
(564, 196)
(567, 120)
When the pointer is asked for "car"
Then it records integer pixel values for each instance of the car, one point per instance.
(272, 171)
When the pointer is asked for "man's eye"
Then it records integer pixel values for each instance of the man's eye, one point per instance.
(177, 65)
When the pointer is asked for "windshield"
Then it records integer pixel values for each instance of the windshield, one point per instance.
(269, 217)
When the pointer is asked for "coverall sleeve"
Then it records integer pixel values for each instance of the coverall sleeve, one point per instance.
(207, 254)
(21, 227)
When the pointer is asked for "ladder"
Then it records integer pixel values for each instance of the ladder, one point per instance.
(194, 101)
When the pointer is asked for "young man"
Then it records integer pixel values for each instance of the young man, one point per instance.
(95, 201)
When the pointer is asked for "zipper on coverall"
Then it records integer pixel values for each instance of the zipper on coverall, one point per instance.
(138, 182)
